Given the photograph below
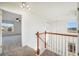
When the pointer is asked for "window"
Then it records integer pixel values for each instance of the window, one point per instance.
(7, 27)
(72, 26)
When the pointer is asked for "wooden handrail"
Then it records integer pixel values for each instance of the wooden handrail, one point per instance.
(41, 33)
(62, 34)
(59, 34)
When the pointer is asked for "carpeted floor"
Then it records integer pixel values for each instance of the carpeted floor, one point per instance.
(27, 51)
(49, 53)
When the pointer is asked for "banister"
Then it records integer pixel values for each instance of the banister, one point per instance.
(44, 41)
(38, 51)
(59, 34)
(62, 34)
(38, 38)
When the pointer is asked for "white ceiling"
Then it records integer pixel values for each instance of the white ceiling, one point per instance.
(54, 10)
(50, 11)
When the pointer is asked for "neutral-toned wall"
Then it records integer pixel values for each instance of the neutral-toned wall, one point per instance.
(30, 27)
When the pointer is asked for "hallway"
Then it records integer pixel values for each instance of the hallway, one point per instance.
(39, 28)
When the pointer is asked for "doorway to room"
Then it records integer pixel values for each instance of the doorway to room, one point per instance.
(11, 31)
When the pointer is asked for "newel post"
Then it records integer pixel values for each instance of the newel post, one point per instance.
(45, 39)
(38, 50)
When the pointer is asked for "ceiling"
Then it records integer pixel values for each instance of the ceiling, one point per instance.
(50, 11)
(54, 10)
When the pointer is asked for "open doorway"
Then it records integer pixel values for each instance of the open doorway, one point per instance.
(11, 31)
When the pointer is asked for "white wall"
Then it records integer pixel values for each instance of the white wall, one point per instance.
(30, 26)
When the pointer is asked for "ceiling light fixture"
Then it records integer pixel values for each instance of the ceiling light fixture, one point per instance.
(25, 5)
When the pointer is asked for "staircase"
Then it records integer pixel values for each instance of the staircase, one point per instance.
(60, 43)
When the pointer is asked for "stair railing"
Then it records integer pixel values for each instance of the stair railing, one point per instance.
(65, 48)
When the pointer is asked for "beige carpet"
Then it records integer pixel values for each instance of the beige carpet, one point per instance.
(48, 53)
(25, 51)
